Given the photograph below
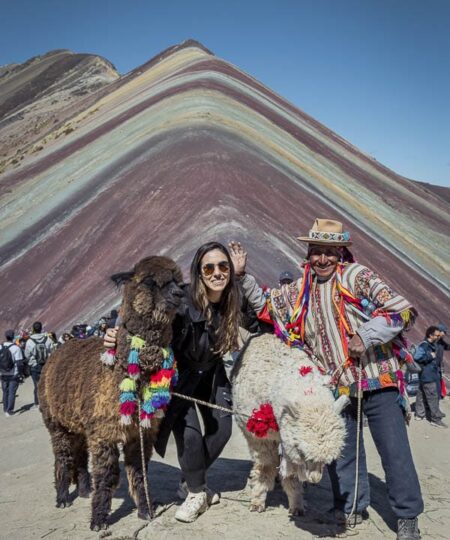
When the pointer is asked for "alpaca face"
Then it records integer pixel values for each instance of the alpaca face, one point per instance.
(152, 295)
(161, 301)
(312, 435)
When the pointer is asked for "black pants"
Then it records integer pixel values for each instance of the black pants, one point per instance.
(9, 389)
(196, 452)
(388, 429)
(35, 375)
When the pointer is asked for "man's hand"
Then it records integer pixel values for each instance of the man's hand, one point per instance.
(238, 257)
(356, 347)
(110, 338)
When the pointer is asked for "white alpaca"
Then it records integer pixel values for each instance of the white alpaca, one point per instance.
(311, 429)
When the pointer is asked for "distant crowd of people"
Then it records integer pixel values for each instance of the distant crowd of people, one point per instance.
(23, 354)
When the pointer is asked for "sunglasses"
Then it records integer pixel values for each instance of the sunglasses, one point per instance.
(208, 268)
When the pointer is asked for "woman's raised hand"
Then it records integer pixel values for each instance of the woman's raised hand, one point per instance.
(238, 256)
(110, 338)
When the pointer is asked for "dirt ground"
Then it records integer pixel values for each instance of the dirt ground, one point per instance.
(27, 498)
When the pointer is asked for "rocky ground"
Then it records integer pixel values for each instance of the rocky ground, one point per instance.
(27, 509)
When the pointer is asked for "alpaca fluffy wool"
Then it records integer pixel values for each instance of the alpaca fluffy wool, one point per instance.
(310, 430)
(80, 396)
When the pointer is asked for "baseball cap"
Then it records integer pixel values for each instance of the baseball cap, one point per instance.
(286, 276)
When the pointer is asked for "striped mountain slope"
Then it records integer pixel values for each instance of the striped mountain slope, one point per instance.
(188, 148)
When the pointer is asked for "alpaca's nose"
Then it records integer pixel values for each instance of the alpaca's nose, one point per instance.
(314, 476)
(176, 291)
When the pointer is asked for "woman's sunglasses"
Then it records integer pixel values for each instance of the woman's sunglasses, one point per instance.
(208, 268)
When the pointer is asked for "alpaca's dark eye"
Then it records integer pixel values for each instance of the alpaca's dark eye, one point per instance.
(150, 282)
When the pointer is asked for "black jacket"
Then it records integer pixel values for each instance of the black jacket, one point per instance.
(194, 339)
(194, 343)
(441, 346)
(425, 355)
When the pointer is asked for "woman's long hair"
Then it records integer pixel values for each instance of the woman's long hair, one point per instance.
(229, 305)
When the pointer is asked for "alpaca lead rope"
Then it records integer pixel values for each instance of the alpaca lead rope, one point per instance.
(144, 466)
(353, 512)
(210, 405)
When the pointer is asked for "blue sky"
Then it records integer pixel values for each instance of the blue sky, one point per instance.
(375, 71)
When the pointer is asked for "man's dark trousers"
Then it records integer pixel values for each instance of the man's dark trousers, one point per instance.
(388, 429)
(36, 375)
(9, 388)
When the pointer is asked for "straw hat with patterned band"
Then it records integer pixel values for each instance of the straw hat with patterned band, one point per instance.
(327, 232)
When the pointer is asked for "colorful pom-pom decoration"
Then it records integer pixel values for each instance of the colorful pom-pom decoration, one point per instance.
(108, 357)
(261, 421)
(155, 394)
(128, 385)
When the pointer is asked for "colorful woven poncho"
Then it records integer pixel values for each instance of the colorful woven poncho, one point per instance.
(322, 318)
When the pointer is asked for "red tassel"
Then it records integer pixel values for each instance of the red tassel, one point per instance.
(162, 374)
(133, 369)
(128, 408)
(262, 420)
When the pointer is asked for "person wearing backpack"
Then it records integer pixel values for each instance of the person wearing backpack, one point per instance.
(427, 394)
(11, 370)
(37, 350)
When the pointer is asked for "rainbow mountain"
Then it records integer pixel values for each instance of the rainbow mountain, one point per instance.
(185, 149)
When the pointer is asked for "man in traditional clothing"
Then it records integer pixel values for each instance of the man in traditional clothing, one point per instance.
(350, 322)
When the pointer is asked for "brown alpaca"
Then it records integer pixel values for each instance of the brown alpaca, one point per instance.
(79, 395)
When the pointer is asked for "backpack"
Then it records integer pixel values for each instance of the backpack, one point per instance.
(414, 366)
(41, 350)
(6, 360)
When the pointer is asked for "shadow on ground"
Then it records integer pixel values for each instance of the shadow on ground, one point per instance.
(226, 475)
(229, 476)
(380, 502)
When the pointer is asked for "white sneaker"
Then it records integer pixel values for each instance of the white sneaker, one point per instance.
(7, 414)
(194, 505)
(182, 493)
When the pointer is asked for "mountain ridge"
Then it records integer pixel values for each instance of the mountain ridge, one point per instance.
(189, 126)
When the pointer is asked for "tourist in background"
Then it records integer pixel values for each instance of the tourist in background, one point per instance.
(427, 394)
(12, 372)
(38, 348)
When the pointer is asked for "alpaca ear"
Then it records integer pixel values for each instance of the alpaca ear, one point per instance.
(122, 277)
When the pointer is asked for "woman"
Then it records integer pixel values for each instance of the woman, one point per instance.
(203, 332)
